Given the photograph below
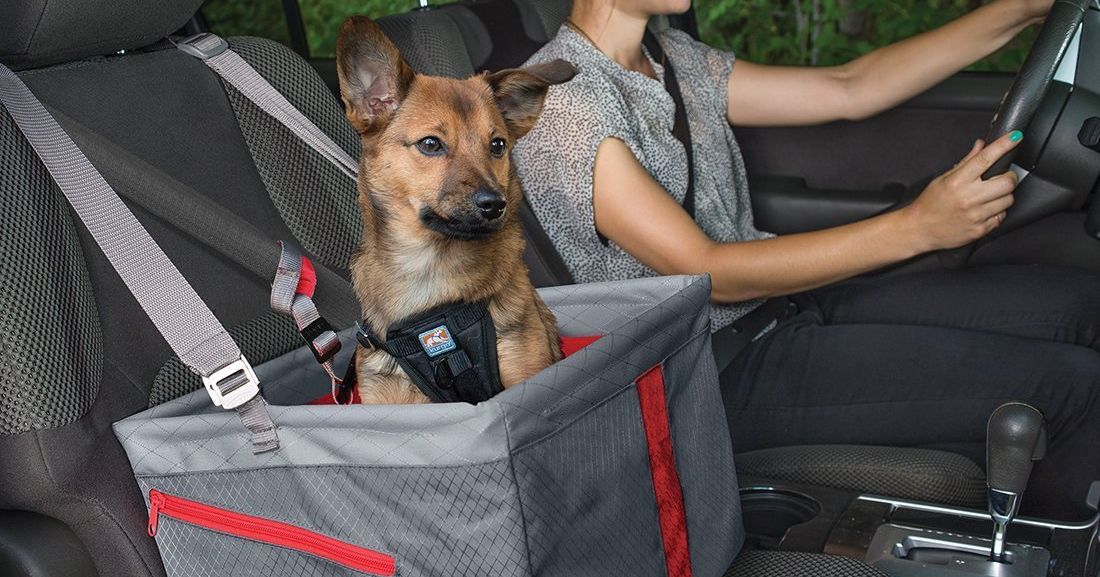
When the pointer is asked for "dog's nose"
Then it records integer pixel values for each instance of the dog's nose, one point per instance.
(491, 204)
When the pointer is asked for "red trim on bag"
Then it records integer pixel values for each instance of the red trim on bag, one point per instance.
(307, 281)
(570, 345)
(666, 481)
(269, 532)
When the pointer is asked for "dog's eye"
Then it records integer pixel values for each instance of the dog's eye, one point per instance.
(431, 146)
(497, 146)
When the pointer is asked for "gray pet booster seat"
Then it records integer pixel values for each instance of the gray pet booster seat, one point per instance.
(615, 461)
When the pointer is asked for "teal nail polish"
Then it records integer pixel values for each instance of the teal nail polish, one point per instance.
(1016, 136)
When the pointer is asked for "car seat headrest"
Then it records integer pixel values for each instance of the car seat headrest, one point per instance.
(37, 33)
(428, 40)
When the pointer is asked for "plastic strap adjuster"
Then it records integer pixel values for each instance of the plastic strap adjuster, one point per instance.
(232, 385)
(203, 46)
(322, 340)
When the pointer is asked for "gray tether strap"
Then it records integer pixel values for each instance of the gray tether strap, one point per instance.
(186, 323)
(215, 52)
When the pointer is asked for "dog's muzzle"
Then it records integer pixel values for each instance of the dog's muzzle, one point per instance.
(491, 204)
(480, 220)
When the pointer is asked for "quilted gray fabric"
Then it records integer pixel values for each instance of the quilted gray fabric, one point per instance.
(52, 343)
(574, 488)
(920, 474)
(193, 551)
(550, 477)
(794, 564)
(318, 202)
(412, 510)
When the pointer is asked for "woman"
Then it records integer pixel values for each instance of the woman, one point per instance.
(918, 360)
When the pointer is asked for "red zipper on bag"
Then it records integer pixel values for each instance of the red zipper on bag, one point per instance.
(267, 531)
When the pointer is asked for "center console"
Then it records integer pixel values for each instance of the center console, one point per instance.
(913, 539)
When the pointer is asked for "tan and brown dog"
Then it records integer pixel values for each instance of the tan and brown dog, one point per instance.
(439, 197)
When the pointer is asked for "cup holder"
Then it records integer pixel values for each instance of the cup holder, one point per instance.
(769, 513)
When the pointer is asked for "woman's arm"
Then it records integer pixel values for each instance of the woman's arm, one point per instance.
(636, 213)
(772, 95)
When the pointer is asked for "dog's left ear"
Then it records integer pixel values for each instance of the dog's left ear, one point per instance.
(520, 92)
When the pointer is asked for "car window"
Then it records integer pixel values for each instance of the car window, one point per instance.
(321, 19)
(828, 32)
(264, 18)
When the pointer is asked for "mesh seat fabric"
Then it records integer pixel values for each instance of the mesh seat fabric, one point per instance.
(794, 564)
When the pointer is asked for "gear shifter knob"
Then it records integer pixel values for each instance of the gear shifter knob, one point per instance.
(1016, 438)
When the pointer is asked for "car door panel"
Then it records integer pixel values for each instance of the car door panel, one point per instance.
(807, 178)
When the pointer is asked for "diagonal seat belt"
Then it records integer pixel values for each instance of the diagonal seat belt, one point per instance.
(182, 318)
(680, 128)
(201, 218)
(214, 52)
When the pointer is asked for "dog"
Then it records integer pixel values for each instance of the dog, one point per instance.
(439, 196)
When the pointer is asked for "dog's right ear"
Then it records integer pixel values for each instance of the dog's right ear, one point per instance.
(374, 79)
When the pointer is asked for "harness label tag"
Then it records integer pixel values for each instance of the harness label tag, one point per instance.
(437, 341)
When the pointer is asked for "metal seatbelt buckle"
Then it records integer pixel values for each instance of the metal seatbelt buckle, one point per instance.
(203, 46)
(232, 385)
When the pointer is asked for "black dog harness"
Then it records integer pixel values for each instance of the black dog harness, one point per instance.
(449, 353)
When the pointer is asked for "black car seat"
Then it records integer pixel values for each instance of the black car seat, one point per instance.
(427, 38)
(78, 352)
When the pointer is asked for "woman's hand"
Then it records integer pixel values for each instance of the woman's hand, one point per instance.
(959, 207)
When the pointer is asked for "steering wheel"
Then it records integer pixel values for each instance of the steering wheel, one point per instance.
(1022, 100)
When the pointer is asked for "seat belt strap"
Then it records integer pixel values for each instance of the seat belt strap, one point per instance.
(680, 129)
(215, 52)
(163, 196)
(185, 322)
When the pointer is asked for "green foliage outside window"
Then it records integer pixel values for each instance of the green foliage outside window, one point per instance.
(322, 18)
(264, 18)
(788, 32)
(829, 32)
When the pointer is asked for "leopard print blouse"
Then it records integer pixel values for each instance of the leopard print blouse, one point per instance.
(556, 159)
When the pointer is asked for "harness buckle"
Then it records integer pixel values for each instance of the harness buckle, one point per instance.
(203, 46)
(366, 338)
(232, 385)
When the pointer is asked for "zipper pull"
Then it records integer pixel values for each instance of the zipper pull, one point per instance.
(156, 501)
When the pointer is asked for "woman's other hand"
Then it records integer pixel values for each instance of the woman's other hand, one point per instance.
(959, 207)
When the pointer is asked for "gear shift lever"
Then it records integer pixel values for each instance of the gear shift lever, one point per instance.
(1016, 438)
